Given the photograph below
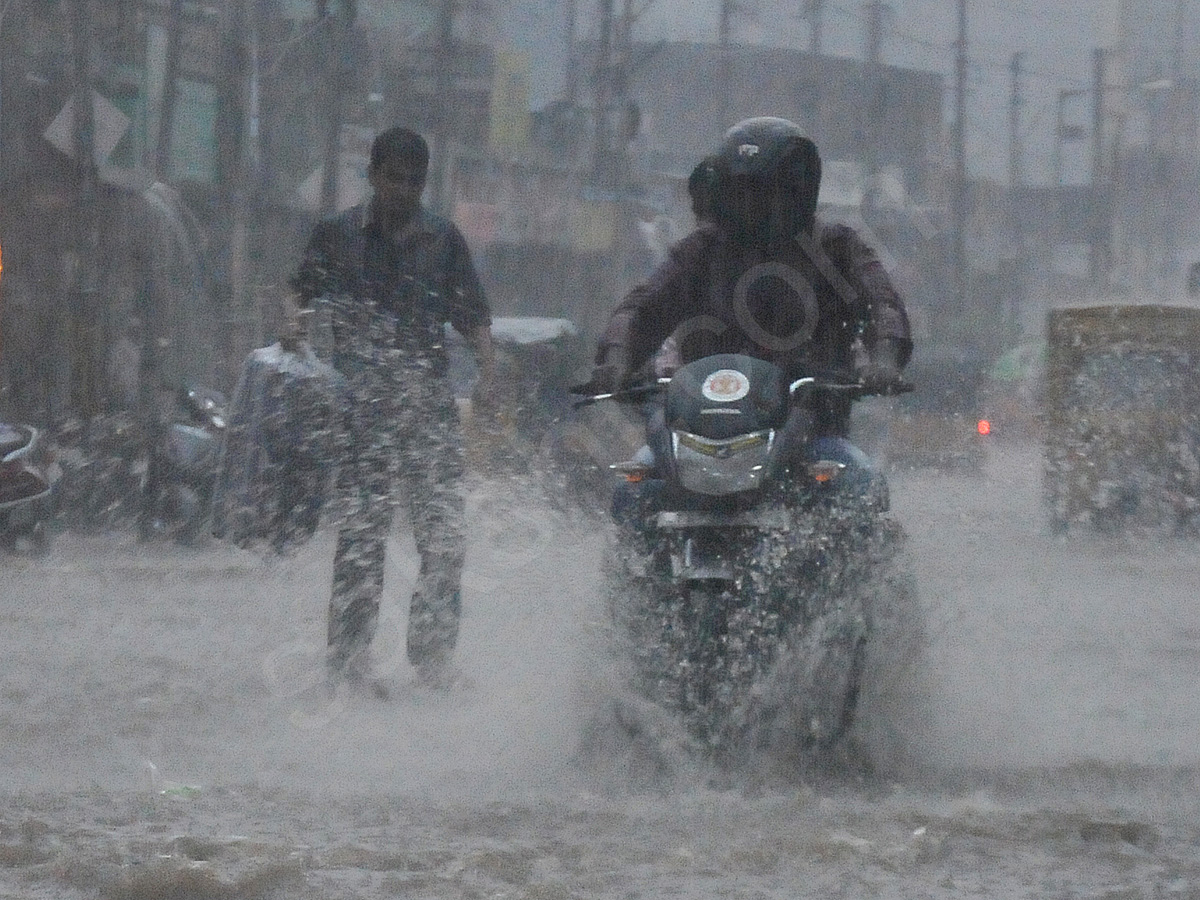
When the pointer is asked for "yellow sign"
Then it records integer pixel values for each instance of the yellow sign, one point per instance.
(508, 127)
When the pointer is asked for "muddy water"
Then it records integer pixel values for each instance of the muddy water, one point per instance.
(164, 731)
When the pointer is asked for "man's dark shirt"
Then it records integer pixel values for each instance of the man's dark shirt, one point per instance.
(417, 280)
(801, 307)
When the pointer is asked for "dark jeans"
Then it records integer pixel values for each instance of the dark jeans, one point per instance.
(404, 447)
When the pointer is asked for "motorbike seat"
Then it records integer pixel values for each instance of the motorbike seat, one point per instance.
(12, 437)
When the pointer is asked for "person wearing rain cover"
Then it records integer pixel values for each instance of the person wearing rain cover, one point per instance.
(392, 274)
(762, 275)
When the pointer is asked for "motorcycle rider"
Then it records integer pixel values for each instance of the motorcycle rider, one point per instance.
(763, 276)
(699, 188)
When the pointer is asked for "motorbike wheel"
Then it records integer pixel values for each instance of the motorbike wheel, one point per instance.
(700, 639)
(669, 636)
(728, 645)
(805, 704)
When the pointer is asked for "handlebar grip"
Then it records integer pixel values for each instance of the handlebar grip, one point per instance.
(897, 387)
(626, 395)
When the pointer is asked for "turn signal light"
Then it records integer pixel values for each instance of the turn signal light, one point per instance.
(824, 471)
(631, 471)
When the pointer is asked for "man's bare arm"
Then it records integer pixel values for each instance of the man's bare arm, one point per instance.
(480, 339)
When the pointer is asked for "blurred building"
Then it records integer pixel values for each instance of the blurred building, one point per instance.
(1146, 139)
(238, 105)
(867, 117)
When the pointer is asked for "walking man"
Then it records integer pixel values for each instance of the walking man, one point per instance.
(393, 275)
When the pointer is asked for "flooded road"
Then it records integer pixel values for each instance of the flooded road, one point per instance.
(165, 732)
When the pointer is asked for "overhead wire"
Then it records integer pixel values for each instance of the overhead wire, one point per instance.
(974, 58)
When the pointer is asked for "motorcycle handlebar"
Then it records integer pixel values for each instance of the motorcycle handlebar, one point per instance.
(856, 390)
(626, 395)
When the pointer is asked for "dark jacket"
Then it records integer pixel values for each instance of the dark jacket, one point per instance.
(416, 282)
(801, 307)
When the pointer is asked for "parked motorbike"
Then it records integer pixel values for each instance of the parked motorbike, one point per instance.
(26, 488)
(181, 471)
(102, 470)
(753, 565)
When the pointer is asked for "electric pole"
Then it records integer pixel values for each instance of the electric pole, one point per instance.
(872, 109)
(333, 124)
(170, 94)
(572, 73)
(1015, 185)
(602, 151)
(814, 14)
(724, 31)
(877, 11)
(1099, 201)
(85, 328)
(1179, 103)
(958, 260)
(1014, 121)
(444, 106)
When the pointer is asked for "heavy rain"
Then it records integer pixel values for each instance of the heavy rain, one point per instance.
(582, 648)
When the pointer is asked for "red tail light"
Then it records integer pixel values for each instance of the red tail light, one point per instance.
(984, 427)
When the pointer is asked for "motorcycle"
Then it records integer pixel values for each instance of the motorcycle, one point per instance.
(26, 488)
(753, 565)
(101, 471)
(181, 472)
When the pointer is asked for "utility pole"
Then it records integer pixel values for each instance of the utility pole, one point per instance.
(238, 184)
(1179, 105)
(724, 33)
(1015, 185)
(1059, 125)
(1098, 62)
(3, 112)
(166, 111)
(572, 73)
(260, 19)
(958, 260)
(85, 331)
(602, 148)
(814, 14)
(1014, 121)
(444, 105)
(622, 72)
(4, 365)
(872, 109)
(877, 11)
(1099, 199)
(337, 29)
(610, 163)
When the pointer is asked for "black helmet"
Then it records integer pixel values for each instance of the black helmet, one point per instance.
(767, 175)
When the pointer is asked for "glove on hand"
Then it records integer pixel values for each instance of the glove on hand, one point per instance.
(881, 373)
(611, 375)
(878, 379)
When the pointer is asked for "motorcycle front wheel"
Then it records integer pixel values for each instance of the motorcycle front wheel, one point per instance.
(804, 706)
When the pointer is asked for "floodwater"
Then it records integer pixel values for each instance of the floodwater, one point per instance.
(164, 731)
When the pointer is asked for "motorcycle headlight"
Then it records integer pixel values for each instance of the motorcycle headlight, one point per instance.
(717, 467)
(723, 449)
